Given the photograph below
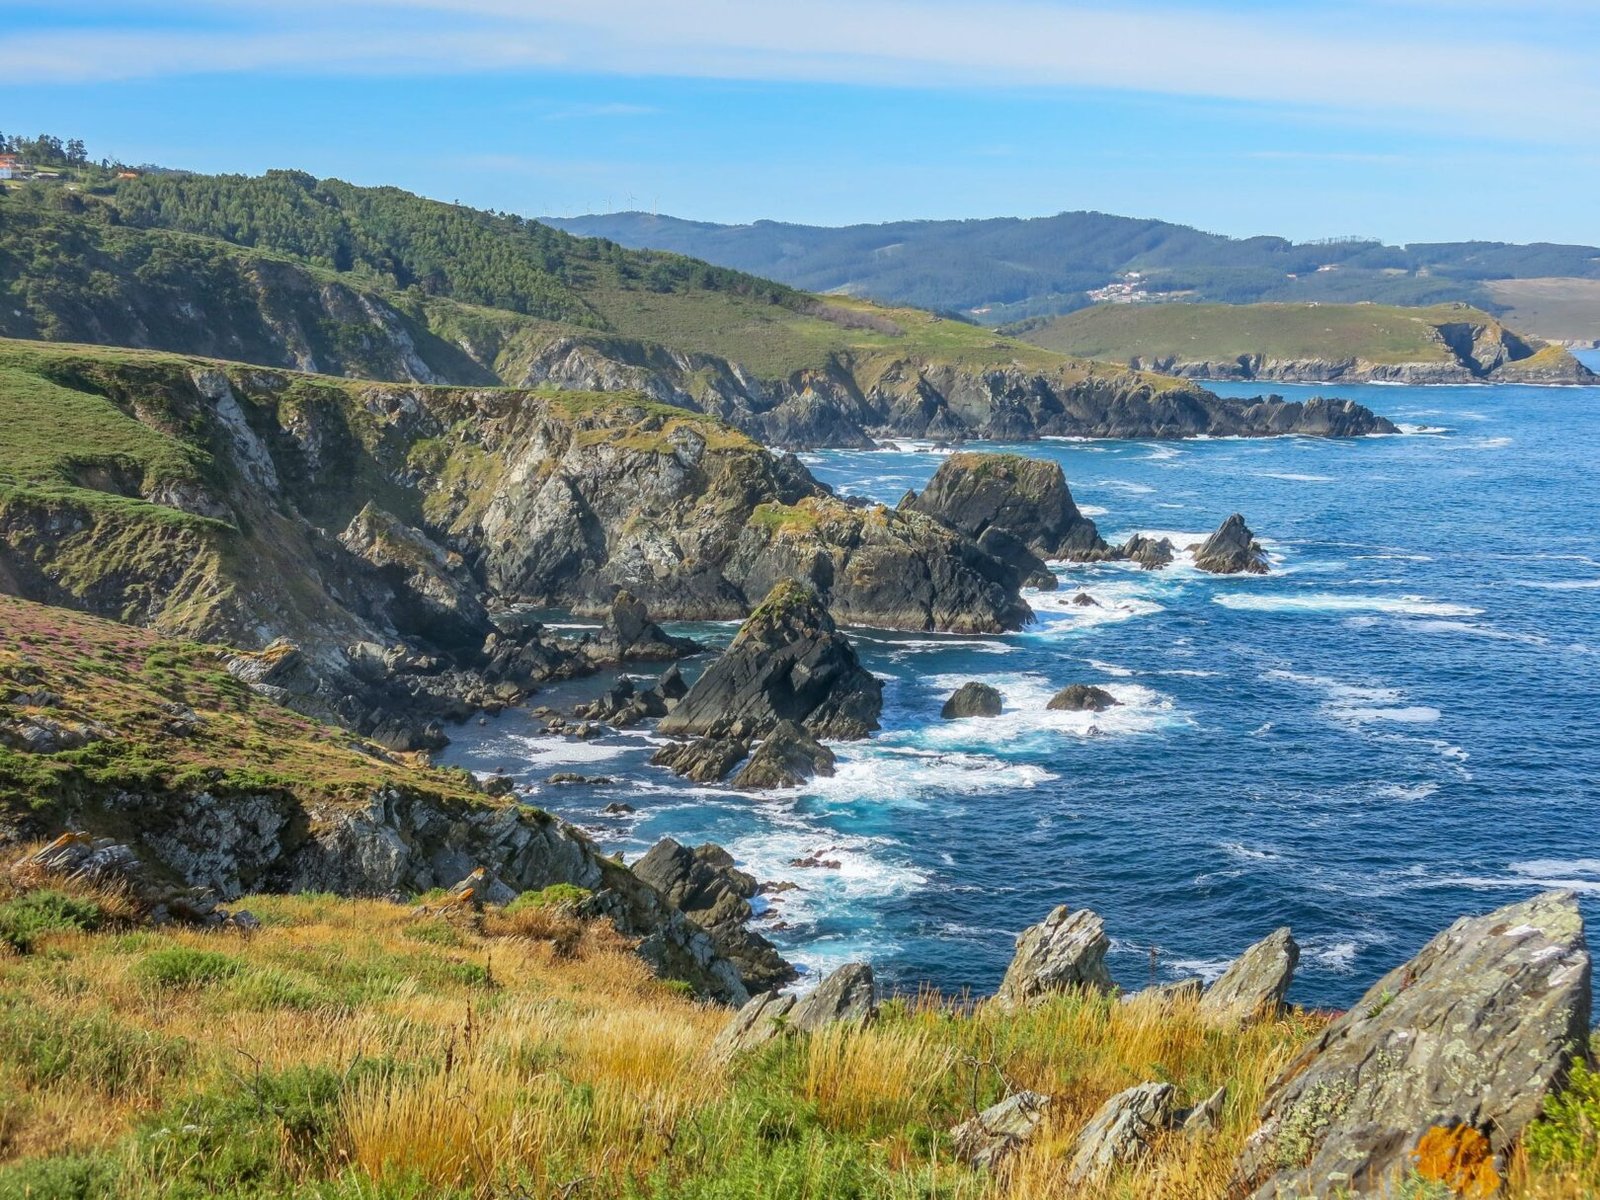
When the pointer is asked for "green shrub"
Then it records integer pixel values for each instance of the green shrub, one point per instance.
(114, 1056)
(1569, 1135)
(434, 933)
(557, 895)
(68, 1177)
(184, 967)
(268, 988)
(31, 915)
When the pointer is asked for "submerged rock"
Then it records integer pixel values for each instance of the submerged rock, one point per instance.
(1256, 982)
(1064, 951)
(1231, 550)
(1084, 600)
(1121, 1131)
(1475, 1031)
(972, 700)
(1000, 1129)
(787, 757)
(1082, 697)
(788, 662)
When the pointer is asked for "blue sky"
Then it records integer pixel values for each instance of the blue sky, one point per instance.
(1404, 119)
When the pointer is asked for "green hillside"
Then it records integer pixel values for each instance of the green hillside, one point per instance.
(1276, 339)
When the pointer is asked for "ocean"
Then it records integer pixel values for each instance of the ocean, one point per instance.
(1398, 726)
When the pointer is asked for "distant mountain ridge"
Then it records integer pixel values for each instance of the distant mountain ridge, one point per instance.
(1004, 269)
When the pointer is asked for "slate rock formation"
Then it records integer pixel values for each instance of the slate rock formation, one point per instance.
(1231, 550)
(1255, 984)
(788, 662)
(1016, 508)
(1150, 553)
(628, 634)
(848, 994)
(1064, 951)
(787, 757)
(1000, 1129)
(1121, 1130)
(706, 887)
(1475, 1031)
(972, 699)
(703, 760)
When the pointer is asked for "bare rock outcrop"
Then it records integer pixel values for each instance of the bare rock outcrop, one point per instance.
(1064, 951)
(1082, 697)
(1255, 983)
(1474, 1032)
(787, 757)
(788, 662)
(1121, 1130)
(971, 699)
(1231, 550)
(1000, 1129)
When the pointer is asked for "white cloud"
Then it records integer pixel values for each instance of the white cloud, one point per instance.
(1390, 63)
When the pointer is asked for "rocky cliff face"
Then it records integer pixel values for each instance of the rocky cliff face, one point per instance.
(378, 527)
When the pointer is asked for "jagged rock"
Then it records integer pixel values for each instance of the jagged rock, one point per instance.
(1476, 1030)
(1150, 553)
(623, 705)
(1064, 951)
(787, 662)
(757, 1023)
(816, 861)
(1084, 600)
(1000, 1129)
(1121, 1131)
(617, 807)
(787, 757)
(571, 777)
(482, 887)
(1256, 982)
(1180, 991)
(629, 634)
(705, 886)
(972, 699)
(1232, 549)
(847, 994)
(1018, 509)
(426, 590)
(671, 684)
(1205, 1116)
(704, 760)
(1082, 697)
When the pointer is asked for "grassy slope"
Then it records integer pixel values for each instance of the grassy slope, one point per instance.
(1215, 332)
(125, 681)
(360, 1049)
(1560, 309)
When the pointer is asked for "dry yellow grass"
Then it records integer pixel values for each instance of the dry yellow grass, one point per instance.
(352, 1049)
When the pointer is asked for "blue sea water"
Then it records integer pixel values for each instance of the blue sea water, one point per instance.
(1395, 727)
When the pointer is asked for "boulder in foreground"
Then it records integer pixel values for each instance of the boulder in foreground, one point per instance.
(788, 662)
(1256, 982)
(1470, 1035)
(1064, 951)
(1122, 1130)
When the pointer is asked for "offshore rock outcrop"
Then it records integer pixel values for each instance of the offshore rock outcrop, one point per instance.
(787, 757)
(788, 662)
(1231, 550)
(971, 699)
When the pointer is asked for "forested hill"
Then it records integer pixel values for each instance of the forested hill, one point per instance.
(1013, 268)
(402, 240)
